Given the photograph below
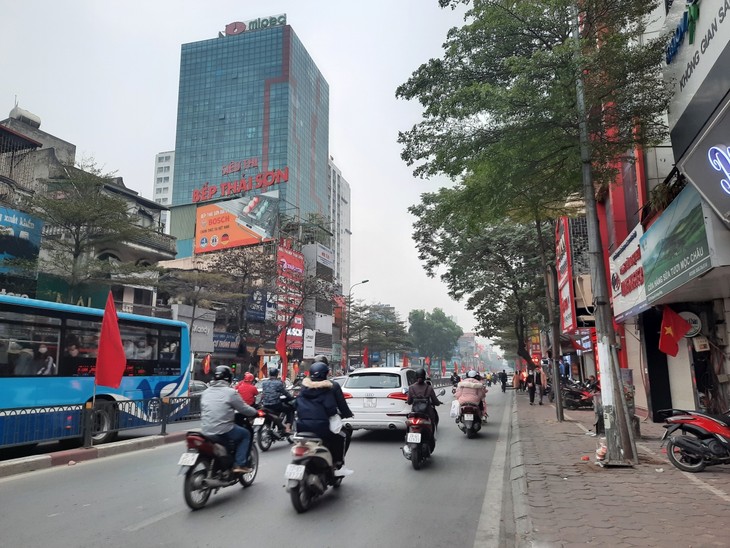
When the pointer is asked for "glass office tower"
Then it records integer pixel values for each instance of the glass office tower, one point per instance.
(253, 117)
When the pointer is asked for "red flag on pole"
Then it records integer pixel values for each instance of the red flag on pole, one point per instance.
(365, 357)
(674, 327)
(443, 368)
(428, 360)
(110, 357)
(281, 349)
(405, 360)
(206, 364)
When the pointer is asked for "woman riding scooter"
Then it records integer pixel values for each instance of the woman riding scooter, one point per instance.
(472, 390)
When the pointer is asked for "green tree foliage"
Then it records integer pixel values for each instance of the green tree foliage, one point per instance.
(386, 332)
(433, 333)
(83, 216)
(509, 75)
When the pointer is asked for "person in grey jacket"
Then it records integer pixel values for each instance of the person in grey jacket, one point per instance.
(219, 404)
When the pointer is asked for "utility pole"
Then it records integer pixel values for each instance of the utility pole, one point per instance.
(620, 442)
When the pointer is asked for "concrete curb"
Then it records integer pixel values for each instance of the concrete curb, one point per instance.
(518, 481)
(22, 465)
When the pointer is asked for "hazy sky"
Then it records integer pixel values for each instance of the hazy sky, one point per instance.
(103, 75)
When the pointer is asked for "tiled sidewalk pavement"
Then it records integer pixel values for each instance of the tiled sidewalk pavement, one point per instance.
(571, 503)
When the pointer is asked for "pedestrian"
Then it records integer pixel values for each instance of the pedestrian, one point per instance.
(540, 382)
(531, 386)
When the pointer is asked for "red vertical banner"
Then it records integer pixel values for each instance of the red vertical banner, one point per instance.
(405, 360)
(110, 358)
(365, 357)
(281, 349)
(206, 364)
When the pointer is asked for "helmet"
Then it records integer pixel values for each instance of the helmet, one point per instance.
(321, 358)
(472, 374)
(319, 371)
(248, 377)
(273, 371)
(223, 373)
(421, 374)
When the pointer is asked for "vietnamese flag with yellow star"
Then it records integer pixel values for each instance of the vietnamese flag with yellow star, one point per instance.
(674, 327)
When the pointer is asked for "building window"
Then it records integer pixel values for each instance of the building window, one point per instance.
(159, 179)
(159, 169)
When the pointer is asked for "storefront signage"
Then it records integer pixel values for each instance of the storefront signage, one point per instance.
(565, 276)
(687, 24)
(707, 164)
(20, 238)
(627, 277)
(675, 249)
(235, 167)
(225, 341)
(262, 180)
(238, 27)
(688, 64)
(693, 320)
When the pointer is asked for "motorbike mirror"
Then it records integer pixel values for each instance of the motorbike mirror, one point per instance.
(405, 390)
(442, 392)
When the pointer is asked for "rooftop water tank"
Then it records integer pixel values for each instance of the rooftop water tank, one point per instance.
(26, 117)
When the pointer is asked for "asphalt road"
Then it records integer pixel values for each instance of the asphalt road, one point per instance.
(135, 499)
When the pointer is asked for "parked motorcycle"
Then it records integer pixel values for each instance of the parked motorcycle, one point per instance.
(420, 439)
(576, 395)
(207, 465)
(469, 420)
(696, 440)
(311, 471)
(270, 427)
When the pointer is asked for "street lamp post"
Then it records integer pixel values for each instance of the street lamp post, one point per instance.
(347, 332)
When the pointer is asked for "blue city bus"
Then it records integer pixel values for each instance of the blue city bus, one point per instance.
(47, 366)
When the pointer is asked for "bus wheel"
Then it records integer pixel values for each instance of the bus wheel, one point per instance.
(103, 424)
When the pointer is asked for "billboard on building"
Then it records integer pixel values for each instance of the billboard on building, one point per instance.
(290, 275)
(564, 265)
(236, 223)
(20, 238)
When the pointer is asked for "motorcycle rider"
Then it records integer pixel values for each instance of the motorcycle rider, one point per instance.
(472, 390)
(455, 378)
(272, 389)
(247, 389)
(219, 404)
(342, 407)
(316, 403)
(421, 389)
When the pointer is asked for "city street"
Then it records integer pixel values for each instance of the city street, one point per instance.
(136, 499)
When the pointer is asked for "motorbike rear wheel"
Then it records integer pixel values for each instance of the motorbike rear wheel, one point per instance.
(264, 438)
(471, 433)
(682, 459)
(416, 458)
(196, 496)
(247, 479)
(301, 498)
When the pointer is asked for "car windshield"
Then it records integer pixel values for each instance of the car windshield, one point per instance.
(377, 380)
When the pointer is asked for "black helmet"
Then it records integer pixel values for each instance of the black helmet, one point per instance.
(321, 358)
(420, 374)
(319, 371)
(223, 373)
(273, 371)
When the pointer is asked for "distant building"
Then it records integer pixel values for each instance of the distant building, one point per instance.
(339, 213)
(164, 180)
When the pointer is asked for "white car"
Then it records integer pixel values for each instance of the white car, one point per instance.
(377, 397)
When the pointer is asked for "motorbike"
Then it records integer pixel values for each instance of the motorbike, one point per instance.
(576, 395)
(420, 439)
(469, 420)
(270, 427)
(696, 440)
(311, 471)
(207, 466)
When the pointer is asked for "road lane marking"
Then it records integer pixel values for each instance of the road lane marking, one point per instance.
(490, 518)
(150, 521)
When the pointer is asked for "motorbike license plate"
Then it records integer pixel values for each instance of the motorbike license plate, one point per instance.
(188, 459)
(370, 402)
(258, 421)
(413, 437)
(468, 417)
(295, 471)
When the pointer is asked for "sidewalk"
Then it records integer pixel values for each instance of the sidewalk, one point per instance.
(563, 501)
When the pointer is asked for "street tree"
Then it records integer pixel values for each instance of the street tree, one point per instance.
(433, 333)
(385, 331)
(83, 216)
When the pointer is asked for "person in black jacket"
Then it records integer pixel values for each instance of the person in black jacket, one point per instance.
(342, 408)
(316, 403)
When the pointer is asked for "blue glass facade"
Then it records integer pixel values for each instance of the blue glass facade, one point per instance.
(249, 103)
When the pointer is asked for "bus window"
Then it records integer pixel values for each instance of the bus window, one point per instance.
(169, 363)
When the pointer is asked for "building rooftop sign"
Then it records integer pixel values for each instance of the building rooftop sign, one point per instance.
(238, 27)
